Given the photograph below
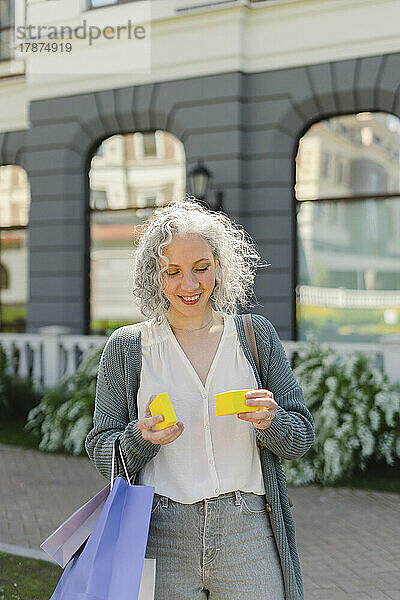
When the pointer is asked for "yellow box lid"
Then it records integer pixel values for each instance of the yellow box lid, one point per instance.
(161, 405)
(233, 402)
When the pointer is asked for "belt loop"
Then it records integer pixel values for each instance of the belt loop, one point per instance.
(238, 498)
(164, 501)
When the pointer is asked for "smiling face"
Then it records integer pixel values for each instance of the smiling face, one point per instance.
(189, 279)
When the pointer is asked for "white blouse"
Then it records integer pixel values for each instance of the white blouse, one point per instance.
(214, 454)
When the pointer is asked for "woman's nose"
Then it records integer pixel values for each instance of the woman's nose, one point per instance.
(189, 282)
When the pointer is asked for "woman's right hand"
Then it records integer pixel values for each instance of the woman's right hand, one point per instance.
(149, 432)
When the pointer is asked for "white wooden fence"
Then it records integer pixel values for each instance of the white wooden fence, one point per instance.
(312, 295)
(53, 354)
(49, 356)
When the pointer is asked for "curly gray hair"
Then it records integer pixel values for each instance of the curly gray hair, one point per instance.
(238, 259)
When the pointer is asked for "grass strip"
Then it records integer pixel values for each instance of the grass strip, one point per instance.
(13, 433)
(27, 578)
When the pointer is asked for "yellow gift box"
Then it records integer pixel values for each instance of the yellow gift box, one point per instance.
(233, 402)
(161, 405)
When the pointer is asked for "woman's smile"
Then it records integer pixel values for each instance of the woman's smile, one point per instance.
(190, 299)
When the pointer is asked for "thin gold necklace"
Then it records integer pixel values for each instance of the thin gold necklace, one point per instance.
(180, 329)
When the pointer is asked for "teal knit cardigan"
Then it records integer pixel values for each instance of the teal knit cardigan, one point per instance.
(289, 436)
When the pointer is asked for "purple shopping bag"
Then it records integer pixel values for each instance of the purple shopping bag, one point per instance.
(109, 565)
(66, 540)
(70, 535)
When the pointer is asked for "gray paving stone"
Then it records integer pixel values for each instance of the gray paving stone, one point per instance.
(347, 539)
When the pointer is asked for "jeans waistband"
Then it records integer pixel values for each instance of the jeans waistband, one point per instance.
(237, 495)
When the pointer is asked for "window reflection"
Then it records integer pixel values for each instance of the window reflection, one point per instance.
(99, 3)
(14, 214)
(349, 247)
(130, 175)
(96, 3)
(344, 156)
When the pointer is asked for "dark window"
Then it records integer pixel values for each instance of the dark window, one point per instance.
(325, 165)
(339, 171)
(3, 278)
(6, 29)
(149, 144)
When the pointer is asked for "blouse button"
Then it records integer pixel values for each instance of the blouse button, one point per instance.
(205, 426)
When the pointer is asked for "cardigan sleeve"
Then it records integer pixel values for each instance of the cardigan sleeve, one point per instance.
(111, 416)
(291, 432)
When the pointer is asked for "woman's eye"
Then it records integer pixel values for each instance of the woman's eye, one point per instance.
(203, 269)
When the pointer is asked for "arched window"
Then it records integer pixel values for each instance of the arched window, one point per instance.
(348, 228)
(14, 214)
(129, 176)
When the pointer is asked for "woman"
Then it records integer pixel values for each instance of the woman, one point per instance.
(221, 525)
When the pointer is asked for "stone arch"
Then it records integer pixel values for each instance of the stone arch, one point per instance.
(345, 87)
(119, 111)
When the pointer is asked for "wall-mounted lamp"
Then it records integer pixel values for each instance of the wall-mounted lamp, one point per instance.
(198, 179)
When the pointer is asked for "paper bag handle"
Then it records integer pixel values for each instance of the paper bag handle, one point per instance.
(116, 447)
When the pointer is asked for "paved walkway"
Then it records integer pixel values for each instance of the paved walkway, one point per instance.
(348, 540)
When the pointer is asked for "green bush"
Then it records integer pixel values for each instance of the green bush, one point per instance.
(17, 395)
(356, 411)
(64, 415)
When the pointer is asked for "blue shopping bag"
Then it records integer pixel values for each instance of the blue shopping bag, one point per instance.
(108, 566)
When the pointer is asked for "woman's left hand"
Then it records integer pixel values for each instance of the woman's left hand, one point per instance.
(262, 398)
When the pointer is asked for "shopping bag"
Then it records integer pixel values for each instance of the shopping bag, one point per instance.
(148, 581)
(62, 544)
(109, 565)
(65, 541)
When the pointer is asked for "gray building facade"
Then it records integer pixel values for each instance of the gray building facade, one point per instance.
(244, 126)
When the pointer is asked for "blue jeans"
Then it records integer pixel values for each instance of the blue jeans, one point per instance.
(219, 548)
